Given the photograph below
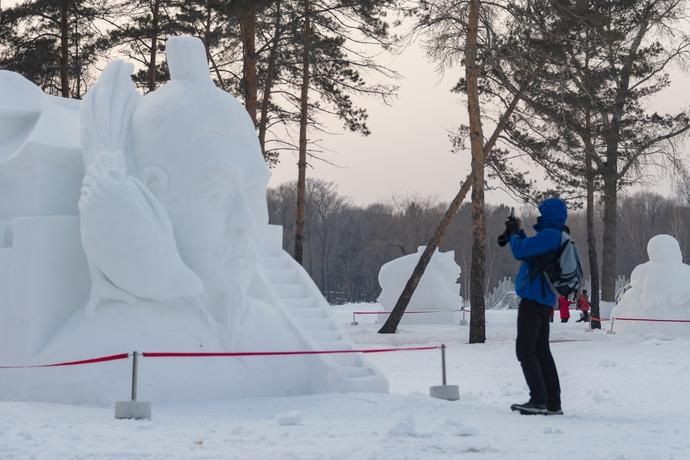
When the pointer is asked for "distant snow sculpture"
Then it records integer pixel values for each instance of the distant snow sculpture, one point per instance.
(136, 222)
(437, 290)
(659, 289)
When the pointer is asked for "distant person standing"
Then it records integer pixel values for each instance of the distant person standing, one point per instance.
(536, 305)
(583, 306)
(564, 308)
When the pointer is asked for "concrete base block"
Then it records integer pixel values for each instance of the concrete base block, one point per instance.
(138, 410)
(447, 392)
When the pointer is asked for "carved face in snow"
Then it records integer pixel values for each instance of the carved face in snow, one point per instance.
(196, 149)
(664, 249)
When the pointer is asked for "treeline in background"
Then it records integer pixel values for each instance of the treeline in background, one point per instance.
(347, 243)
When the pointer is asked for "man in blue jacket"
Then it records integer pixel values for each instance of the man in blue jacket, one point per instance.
(536, 304)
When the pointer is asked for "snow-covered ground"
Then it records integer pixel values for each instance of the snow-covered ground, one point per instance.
(624, 397)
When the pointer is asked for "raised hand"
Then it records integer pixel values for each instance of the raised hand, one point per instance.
(513, 225)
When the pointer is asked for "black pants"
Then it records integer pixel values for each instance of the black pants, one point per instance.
(533, 352)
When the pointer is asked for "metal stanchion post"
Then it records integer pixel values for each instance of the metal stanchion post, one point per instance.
(611, 331)
(444, 391)
(463, 321)
(354, 321)
(135, 369)
(443, 363)
(133, 409)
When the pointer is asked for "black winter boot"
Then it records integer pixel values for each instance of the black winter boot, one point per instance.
(529, 408)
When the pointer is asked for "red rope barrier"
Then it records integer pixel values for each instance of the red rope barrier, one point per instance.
(73, 363)
(599, 319)
(653, 320)
(406, 312)
(279, 353)
(119, 356)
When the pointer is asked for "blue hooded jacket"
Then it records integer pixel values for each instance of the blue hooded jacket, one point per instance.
(550, 224)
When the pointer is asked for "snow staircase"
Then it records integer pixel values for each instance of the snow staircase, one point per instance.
(294, 289)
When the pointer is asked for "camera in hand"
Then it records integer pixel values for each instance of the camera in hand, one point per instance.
(504, 237)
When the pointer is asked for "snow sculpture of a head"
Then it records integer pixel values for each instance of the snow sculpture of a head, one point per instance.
(177, 182)
(664, 249)
(660, 288)
(195, 148)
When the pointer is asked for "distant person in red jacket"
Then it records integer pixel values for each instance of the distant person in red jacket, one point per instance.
(583, 306)
(564, 308)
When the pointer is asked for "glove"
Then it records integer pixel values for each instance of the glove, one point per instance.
(503, 238)
(513, 226)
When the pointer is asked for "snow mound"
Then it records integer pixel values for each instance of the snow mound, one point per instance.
(289, 418)
(437, 290)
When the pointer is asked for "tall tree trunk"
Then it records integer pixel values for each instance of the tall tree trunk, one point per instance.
(64, 49)
(270, 78)
(391, 324)
(248, 36)
(610, 178)
(477, 280)
(303, 123)
(608, 271)
(324, 264)
(212, 62)
(153, 52)
(591, 236)
(77, 66)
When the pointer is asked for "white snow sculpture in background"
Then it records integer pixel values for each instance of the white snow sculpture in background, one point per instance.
(169, 248)
(437, 290)
(660, 289)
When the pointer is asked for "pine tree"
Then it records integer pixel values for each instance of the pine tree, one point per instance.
(140, 33)
(318, 57)
(605, 59)
(53, 43)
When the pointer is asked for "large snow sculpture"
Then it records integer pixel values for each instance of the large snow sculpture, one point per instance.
(437, 290)
(659, 289)
(169, 250)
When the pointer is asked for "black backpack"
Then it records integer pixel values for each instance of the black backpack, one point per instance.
(562, 268)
